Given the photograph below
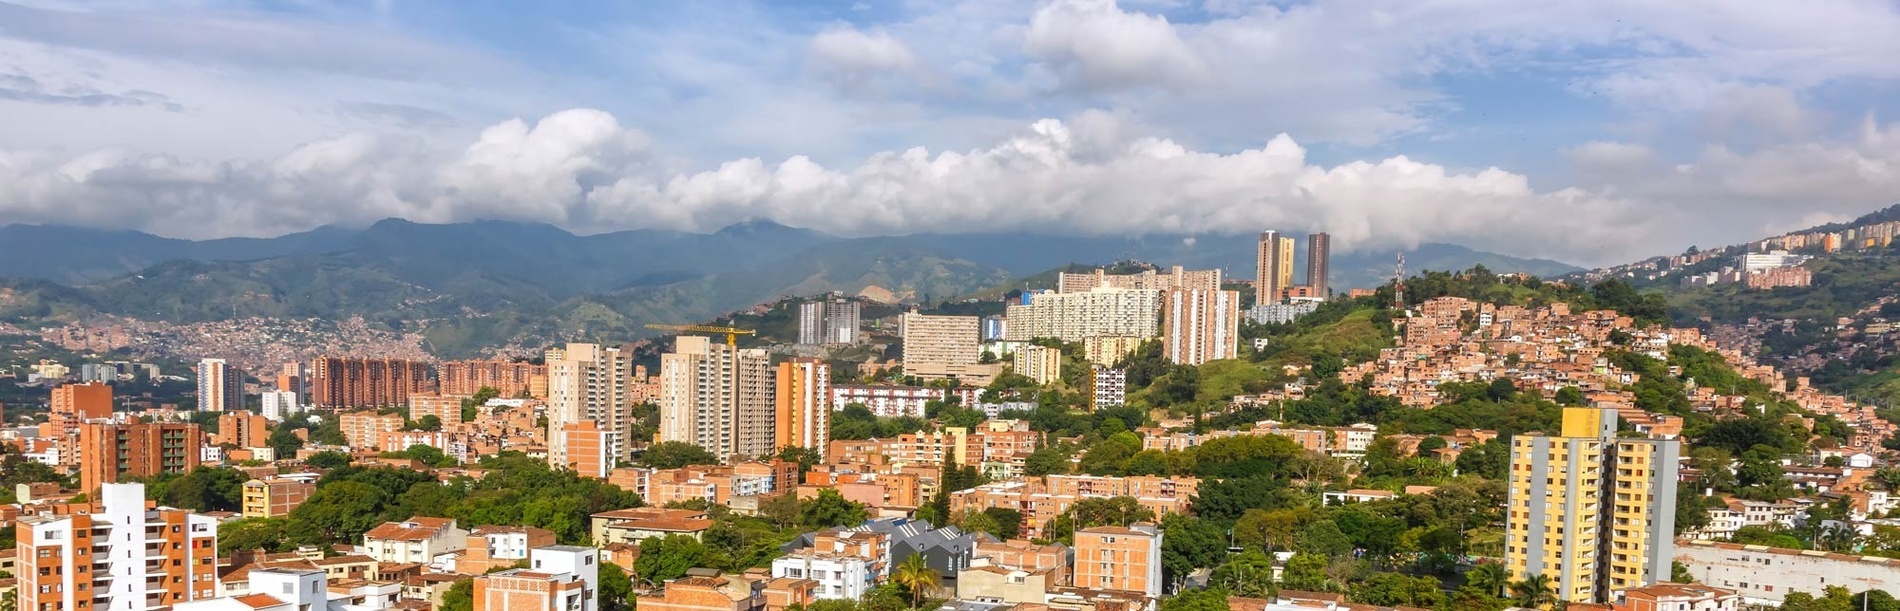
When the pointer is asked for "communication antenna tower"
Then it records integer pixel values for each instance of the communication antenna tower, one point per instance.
(1398, 284)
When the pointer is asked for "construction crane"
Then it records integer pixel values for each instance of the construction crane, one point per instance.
(732, 334)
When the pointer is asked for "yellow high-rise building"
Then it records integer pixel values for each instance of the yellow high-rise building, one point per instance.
(1592, 511)
(1273, 261)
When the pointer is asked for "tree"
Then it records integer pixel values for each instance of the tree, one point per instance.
(253, 534)
(669, 557)
(1189, 543)
(829, 509)
(615, 588)
(1534, 591)
(337, 512)
(1305, 572)
(206, 489)
(1488, 577)
(1202, 599)
(1009, 522)
(284, 442)
(1249, 574)
(328, 459)
(676, 454)
(429, 422)
(1047, 460)
(1396, 589)
(429, 455)
(1269, 531)
(1569, 396)
(915, 575)
(1501, 390)
(1323, 537)
(460, 597)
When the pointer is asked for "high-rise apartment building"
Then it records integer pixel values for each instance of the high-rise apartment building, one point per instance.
(276, 405)
(1319, 255)
(110, 452)
(1174, 278)
(1119, 558)
(1593, 511)
(717, 397)
(89, 400)
(1108, 388)
(586, 447)
(510, 378)
(830, 322)
(1073, 317)
(1273, 260)
(294, 377)
(350, 383)
(220, 386)
(803, 405)
(1200, 326)
(938, 347)
(125, 558)
(589, 382)
(557, 578)
(1038, 363)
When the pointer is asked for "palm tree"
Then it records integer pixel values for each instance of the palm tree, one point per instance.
(916, 575)
(1534, 591)
(1490, 577)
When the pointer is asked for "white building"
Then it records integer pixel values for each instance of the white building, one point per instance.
(1765, 575)
(1280, 313)
(125, 558)
(1101, 311)
(277, 405)
(839, 576)
(418, 540)
(885, 401)
(1761, 261)
(277, 589)
(1110, 388)
(567, 577)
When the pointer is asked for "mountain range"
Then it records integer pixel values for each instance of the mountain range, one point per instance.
(468, 284)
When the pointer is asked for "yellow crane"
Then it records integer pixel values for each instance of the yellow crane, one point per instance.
(732, 334)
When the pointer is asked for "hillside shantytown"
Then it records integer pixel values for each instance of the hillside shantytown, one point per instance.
(1144, 440)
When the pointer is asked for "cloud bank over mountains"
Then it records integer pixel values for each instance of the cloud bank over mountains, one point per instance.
(1587, 131)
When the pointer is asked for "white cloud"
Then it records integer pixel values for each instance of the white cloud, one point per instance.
(849, 52)
(582, 169)
(1093, 45)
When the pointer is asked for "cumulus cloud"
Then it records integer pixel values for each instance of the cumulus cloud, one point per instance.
(846, 52)
(1095, 45)
(582, 169)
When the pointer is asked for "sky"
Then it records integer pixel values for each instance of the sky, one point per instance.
(1589, 131)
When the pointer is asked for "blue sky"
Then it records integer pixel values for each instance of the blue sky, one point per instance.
(1591, 131)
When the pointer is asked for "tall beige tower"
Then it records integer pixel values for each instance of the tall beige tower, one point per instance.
(717, 397)
(1273, 260)
(587, 382)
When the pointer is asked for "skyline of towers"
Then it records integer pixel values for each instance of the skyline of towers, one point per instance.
(717, 397)
(1274, 258)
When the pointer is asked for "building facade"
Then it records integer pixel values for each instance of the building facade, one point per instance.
(241, 429)
(828, 322)
(509, 378)
(588, 382)
(1175, 278)
(1593, 511)
(1273, 265)
(558, 578)
(1039, 363)
(885, 401)
(1764, 575)
(1319, 255)
(110, 452)
(124, 558)
(802, 413)
(1119, 558)
(338, 383)
(1200, 326)
(220, 386)
(86, 401)
(717, 397)
(937, 347)
(1073, 317)
(1108, 388)
(274, 497)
